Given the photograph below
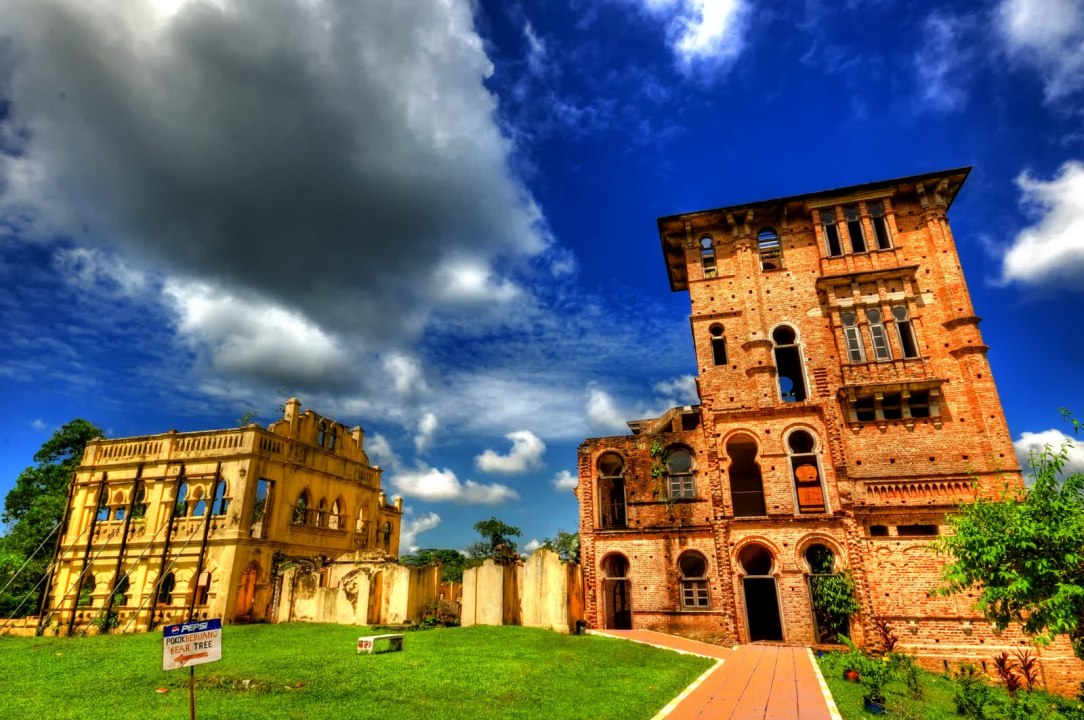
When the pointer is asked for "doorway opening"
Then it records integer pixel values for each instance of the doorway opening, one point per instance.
(616, 600)
(762, 613)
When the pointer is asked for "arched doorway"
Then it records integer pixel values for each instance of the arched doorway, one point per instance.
(246, 591)
(762, 614)
(616, 603)
(376, 595)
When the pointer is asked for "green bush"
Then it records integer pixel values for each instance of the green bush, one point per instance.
(972, 692)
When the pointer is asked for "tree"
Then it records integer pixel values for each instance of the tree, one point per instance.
(452, 562)
(32, 510)
(496, 540)
(1025, 556)
(565, 544)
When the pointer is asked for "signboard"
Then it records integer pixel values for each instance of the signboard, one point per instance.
(191, 643)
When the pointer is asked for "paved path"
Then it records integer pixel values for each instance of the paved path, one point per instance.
(750, 682)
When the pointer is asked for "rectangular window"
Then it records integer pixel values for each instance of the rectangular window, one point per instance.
(854, 344)
(907, 339)
(694, 594)
(919, 403)
(892, 406)
(831, 233)
(854, 229)
(880, 341)
(865, 409)
(681, 487)
(916, 530)
(261, 508)
(880, 225)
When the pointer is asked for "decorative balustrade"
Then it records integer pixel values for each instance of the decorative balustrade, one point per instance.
(207, 443)
(920, 492)
(125, 450)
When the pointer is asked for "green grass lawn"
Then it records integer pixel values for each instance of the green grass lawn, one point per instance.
(936, 701)
(312, 671)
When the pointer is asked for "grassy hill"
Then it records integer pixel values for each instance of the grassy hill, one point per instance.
(312, 672)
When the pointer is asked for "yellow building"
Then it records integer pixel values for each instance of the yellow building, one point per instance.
(208, 524)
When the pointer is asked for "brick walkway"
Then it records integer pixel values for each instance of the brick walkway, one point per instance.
(762, 682)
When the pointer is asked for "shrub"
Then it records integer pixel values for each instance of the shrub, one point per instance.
(972, 692)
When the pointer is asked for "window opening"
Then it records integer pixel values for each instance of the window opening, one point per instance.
(746, 483)
(880, 225)
(200, 508)
(825, 588)
(221, 503)
(611, 485)
(139, 506)
(878, 531)
(718, 344)
(165, 589)
(906, 332)
(788, 364)
(333, 439)
(771, 251)
(805, 472)
(119, 511)
(321, 513)
(387, 533)
(877, 335)
(679, 466)
(120, 592)
(694, 581)
(301, 509)
(854, 229)
(86, 592)
(104, 511)
(892, 406)
(853, 336)
(831, 233)
(919, 403)
(180, 508)
(916, 530)
(261, 507)
(203, 588)
(707, 256)
(865, 408)
(334, 521)
(321, 433)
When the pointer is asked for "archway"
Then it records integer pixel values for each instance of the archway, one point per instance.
(246, 591)
(762, 613)
(616, 600)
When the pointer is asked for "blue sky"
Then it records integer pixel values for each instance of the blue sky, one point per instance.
(437, 219)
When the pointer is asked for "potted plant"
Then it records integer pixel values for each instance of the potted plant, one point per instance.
(874, 674)
(852, 659)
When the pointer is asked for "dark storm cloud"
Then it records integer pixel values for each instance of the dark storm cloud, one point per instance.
(334, 158)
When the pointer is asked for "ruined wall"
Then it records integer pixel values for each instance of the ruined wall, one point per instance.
(543, 591)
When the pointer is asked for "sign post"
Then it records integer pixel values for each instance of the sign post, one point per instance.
(188, 645)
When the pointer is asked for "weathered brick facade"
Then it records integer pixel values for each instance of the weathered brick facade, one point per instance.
(845, 401)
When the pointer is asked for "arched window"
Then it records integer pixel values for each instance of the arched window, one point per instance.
(120, 592)
(756, 560)
(906, 332)
(616, 592)
(321, 513)
(387, 533)
(718, 344)
(707, 256)
(788, 364)
(854, 229)
(165, 589)
(805, 472)
(746, 483)
(880, 225)
(203, 588)
(221, 503)
(86, 591)
(119, 506)
(332, 438)
(334, 520)
(139, 506)
(853, 337)
(831, 232)
(771, 250)
(104, 511)
(321, 433)
(825, 588)
(180, 507)
(200, 508)
(679, 469)
(300, 515)
(694, 581)
(611, 490)
(877, 335)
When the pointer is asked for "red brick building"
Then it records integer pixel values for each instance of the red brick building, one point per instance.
(846, 404)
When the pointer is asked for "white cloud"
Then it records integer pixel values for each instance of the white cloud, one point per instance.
(942, 63)
(406, 374)
(536, 49)
(532, 545)
(1029, 442)
(427, 427)
(676, 391)
(1052, 250)
(602, 413)
(426, 483)
(526, 454)
(1048, 35)
(255, 337)
(37, 424)
(379, 451)
(565, 480)
(708, 33)
(413, 526)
